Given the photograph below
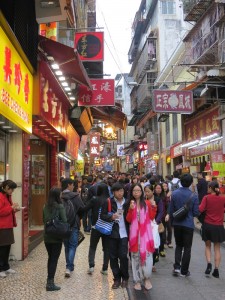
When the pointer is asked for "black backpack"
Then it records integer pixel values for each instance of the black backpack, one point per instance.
(175, 186)
(69, 208)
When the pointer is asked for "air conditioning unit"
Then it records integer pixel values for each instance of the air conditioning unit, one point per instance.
(50, 11)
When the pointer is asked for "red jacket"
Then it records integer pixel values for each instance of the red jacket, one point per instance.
(7, 215)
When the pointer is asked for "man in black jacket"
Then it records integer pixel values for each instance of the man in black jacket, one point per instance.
(118, 241)
(202, 186)
(71, 244)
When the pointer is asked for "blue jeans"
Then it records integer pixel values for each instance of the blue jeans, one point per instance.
(70, 248)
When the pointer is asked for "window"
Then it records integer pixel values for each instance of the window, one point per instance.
(168, 8)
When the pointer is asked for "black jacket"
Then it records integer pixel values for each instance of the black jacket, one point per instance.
(106, 217)
(78, 204)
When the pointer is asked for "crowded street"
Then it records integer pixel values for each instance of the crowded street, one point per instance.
(29, 281)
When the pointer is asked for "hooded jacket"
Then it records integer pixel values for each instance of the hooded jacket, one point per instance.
(75, 198)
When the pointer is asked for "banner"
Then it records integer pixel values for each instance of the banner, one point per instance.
(94, 144)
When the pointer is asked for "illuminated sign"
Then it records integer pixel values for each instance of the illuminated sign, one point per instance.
(16, 83)
(143, 146)
(94, 144)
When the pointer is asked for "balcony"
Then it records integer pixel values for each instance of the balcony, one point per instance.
(147, 61)
(195, 9)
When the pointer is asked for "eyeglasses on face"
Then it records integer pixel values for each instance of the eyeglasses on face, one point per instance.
(137, 191)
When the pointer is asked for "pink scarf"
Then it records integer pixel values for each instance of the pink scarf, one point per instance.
(141, 233)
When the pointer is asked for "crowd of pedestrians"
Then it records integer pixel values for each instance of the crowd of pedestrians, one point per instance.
(132, 206)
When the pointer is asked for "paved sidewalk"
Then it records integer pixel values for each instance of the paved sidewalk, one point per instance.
(30, 280)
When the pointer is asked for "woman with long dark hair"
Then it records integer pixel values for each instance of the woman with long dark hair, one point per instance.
(52, 208)
(166, 220)
(94, 204)
(7, 222)
(141, 243)
(212, 229)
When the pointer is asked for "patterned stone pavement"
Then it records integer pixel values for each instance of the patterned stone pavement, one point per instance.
(29, 281)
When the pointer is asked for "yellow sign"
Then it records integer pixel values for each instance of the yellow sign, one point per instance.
(79, 166)
(16, 86)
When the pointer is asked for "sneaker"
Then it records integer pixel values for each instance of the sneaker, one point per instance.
(104, 272)
(170, 246)
(185, 275)
(10, 271)
(162, 254)
(2, 274)
(67, 273)
(90, 271)
(176, 272)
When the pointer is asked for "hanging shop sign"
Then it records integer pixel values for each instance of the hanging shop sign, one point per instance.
(120, 150)
(16, 83)
(176, 150)
(90, 45)
(53, 105)
(202, 126)
(102, 93)
(173, 101)
(94, 144)
(73, 141)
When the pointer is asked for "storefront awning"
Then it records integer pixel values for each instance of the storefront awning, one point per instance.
(110, 114)
(67, 58)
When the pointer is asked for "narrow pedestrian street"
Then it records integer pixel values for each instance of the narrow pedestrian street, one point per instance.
(29, 281)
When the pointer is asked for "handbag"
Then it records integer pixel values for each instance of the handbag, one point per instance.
(102, 226)
(81, 237)
(155, 233)
(56, 228)
(182, 212)
(161, 228)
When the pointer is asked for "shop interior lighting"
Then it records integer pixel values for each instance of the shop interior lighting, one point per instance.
(72, 98)
(62, 78)
(55, 66)
(67, 88)
(214, 135)
(190, 144)
(42, 125)
(2, 122)
(6, 127)
(58, 73)
(13, 130)
(206, 142)
(50, 58)
(64, 83)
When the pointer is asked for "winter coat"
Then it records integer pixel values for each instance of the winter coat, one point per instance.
(75, 198)
(48, 214)
(7, 214)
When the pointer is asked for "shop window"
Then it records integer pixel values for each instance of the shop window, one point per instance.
(38, 174)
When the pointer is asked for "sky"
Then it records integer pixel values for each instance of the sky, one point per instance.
(116, 17)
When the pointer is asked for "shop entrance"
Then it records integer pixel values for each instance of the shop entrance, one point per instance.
(39, 180)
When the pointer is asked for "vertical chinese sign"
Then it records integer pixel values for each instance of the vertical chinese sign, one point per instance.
(16, 82)
(94, 145)
(102, 93)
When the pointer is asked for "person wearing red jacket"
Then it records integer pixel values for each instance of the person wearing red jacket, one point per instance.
(141, 242)
(7, 222)
(212, 229)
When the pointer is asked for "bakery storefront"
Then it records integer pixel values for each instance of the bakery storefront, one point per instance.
(16, 92)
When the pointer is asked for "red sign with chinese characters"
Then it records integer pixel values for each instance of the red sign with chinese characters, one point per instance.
(176, 150)
(73, 142)
(202, 126)
(102, 93)
(89, 45)
(94, 144)
(173, 101)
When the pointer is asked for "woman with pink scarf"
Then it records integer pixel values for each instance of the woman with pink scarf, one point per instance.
(141, 243)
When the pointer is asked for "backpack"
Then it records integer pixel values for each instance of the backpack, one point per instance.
(175, 186)
(69, 208)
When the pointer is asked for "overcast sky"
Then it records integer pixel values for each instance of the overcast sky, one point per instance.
(116, 17)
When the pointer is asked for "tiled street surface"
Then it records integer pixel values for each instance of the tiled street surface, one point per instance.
(29, 281)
